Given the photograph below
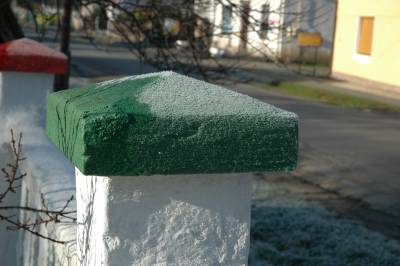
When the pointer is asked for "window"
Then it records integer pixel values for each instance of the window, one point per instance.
(264, 26)
(227, 19)
(365, 35)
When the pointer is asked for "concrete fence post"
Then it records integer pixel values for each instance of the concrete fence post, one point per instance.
(162, 163)
(27, 70)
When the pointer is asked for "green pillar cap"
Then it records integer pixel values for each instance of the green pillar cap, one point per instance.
(167, 123)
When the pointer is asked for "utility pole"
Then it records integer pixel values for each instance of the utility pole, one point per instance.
(61, 82)
(333, 37)
(103, 19)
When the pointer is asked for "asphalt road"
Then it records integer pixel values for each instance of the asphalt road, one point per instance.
(355, 153)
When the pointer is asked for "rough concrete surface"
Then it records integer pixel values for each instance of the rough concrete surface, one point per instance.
(200, 220)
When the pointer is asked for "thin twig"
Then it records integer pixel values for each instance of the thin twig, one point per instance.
(45, 216)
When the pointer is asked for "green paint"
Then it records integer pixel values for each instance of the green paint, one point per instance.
(166, 123)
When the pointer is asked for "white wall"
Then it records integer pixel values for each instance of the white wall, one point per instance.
(27, 91)
(22, 105)
(23, 100)
(48, 173)
(8, 239)
(164, 220)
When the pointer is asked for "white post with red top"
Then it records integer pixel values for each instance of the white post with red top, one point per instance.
(27, 70)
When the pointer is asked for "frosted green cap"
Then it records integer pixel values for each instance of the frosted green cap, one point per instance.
(167, 123)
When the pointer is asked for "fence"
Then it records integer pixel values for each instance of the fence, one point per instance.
(161, 163)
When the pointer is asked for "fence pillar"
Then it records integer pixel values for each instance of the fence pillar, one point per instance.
(27, 70)
(149, 152)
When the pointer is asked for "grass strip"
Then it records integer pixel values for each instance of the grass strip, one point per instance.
(326, 96)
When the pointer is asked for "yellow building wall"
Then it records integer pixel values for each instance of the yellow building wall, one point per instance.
(384, 63)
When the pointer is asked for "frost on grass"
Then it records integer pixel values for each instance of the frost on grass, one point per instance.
(288, 231)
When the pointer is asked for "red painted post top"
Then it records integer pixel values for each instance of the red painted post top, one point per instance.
(25, 55)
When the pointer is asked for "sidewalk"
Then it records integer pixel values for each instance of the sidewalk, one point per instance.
(267, 72)
(355, 89)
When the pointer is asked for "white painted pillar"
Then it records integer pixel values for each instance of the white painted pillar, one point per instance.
(163, 220)
(20, 91)
(146, 151)
(27, 70)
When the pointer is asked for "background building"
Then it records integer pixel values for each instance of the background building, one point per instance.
(367, 42)
(268, 27)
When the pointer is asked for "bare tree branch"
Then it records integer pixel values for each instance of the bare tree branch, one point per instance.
(44, 215)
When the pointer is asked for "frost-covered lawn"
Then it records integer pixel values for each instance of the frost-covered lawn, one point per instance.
(287, 230)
